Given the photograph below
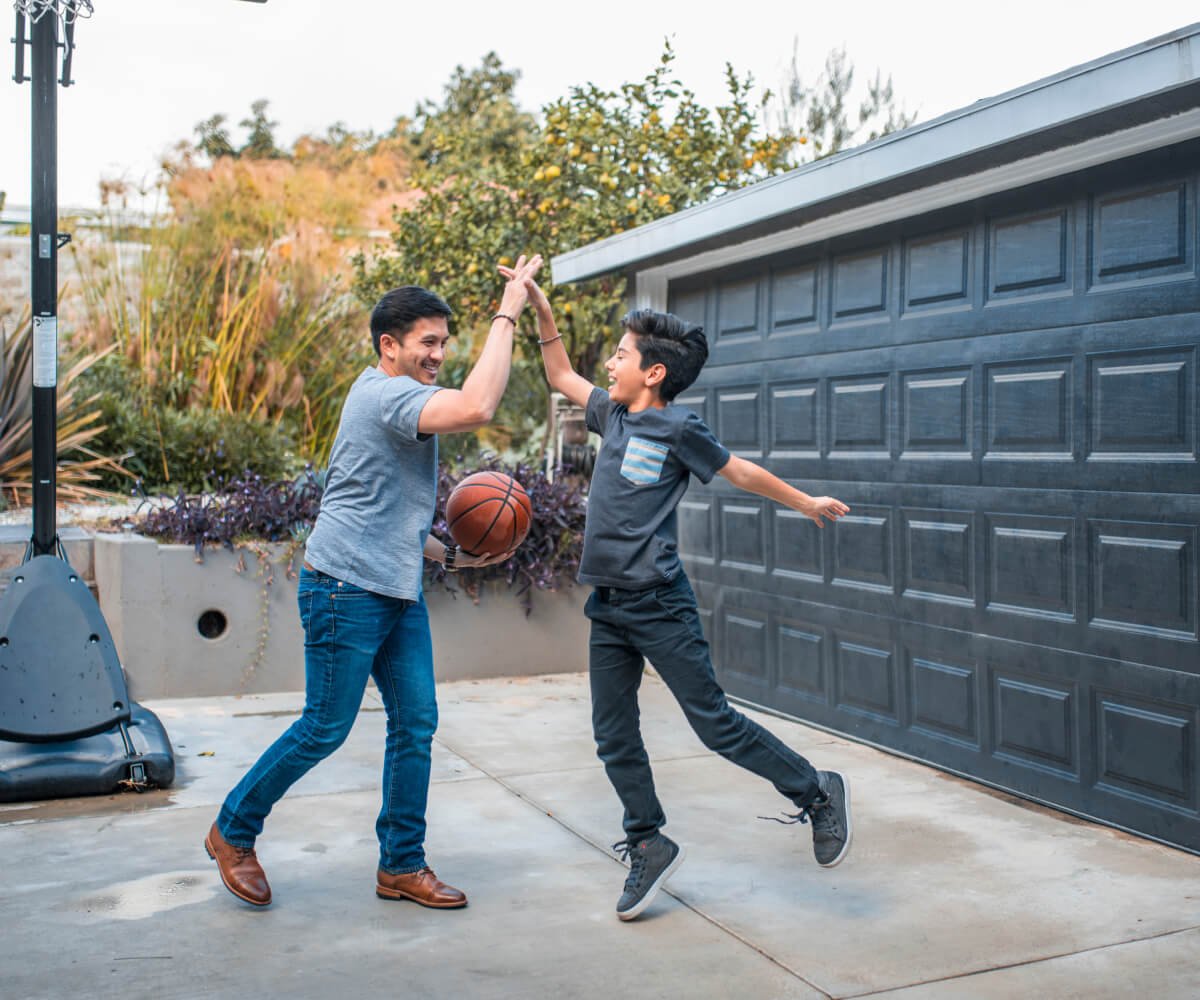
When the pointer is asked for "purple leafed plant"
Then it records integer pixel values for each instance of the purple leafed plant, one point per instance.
(243, 508)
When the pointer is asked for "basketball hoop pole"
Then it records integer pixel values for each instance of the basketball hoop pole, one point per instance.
(44, 241)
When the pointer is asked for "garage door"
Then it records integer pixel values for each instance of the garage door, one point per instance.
(1006, 395)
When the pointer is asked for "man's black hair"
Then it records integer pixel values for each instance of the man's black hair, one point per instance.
(398, 311)
(665, 339)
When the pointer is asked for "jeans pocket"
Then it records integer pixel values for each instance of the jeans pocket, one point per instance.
(305, 600)
(679, 602)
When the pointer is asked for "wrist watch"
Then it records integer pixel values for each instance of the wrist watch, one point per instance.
(448, 558)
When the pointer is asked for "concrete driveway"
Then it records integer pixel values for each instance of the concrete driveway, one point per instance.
(950, 890)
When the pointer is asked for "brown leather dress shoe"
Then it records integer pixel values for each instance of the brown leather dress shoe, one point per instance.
(421, 887)
(239, 868)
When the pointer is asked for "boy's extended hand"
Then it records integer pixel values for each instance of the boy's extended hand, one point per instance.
(830, 507)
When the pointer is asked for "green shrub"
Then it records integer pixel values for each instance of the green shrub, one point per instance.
(194, 450)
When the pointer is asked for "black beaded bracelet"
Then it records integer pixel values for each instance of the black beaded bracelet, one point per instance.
(448, 558)
(504, 316)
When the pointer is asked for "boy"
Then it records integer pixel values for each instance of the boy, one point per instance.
(643, 606)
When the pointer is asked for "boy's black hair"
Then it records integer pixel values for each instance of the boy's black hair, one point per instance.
(399, 310)
(665, 339)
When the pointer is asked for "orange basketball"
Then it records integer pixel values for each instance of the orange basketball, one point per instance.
(488, 513)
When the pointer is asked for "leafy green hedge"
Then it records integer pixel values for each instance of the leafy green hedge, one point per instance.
(169, 449)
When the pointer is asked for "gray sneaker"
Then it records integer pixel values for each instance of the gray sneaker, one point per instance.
(651, 863)
(830, 817)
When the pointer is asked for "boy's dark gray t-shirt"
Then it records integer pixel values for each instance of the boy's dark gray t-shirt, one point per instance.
(380, 490)
(646, 458)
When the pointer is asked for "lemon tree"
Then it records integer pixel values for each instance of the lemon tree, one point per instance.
(496, 182)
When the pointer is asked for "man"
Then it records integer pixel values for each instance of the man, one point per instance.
(360, 588)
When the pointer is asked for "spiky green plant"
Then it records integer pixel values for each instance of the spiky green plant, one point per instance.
(79, 466)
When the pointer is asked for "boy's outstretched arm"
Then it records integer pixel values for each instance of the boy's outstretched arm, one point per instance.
(559, 373)
(745, 475)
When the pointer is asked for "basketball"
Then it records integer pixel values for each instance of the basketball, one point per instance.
(488, 513)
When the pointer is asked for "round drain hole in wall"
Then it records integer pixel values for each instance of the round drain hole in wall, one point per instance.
(212, 624)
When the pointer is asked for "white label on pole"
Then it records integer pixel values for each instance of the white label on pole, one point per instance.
(45, 351)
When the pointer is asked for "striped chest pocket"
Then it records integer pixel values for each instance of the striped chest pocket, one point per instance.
(643, 461)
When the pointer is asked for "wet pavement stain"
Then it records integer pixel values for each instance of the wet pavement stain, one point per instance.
(146, 897)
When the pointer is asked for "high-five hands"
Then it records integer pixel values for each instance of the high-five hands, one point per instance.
(532, 289)
(516, 292)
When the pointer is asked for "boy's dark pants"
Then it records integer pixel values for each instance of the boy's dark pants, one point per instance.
(662, 625)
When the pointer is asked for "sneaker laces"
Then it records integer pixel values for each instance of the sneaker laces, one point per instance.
(822, 817)
(627, 851)
(803, 816)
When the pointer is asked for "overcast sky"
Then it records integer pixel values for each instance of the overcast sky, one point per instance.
(147, 71)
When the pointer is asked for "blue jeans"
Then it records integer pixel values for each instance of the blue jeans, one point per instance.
(351, 634)
(662, 625)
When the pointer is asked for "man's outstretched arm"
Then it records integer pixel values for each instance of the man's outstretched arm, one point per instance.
(452, 410)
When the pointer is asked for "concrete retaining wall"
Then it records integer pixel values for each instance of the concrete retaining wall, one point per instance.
(187, 629)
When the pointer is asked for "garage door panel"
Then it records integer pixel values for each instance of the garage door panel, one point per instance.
(1146, 748)
(1142, 578)
(936, 419)
(795, 419)
(865, 677)
(797, 546)
(944, 696)
(937, 271)
(1140, 233)
(937, 555)
(1035, 721)
(802, 661)
(1030, 566)
(862, 549)
(793, 300)
(859, 287)
(742, 525)
(739, 419)
(1029, 254)
(1142, 406)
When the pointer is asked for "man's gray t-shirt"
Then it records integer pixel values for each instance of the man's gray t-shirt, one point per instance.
(380, 489)
(646, 458)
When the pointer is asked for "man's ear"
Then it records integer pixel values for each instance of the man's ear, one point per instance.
(655, 374)
(387, 344)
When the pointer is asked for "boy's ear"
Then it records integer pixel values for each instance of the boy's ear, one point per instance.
(654, 375)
